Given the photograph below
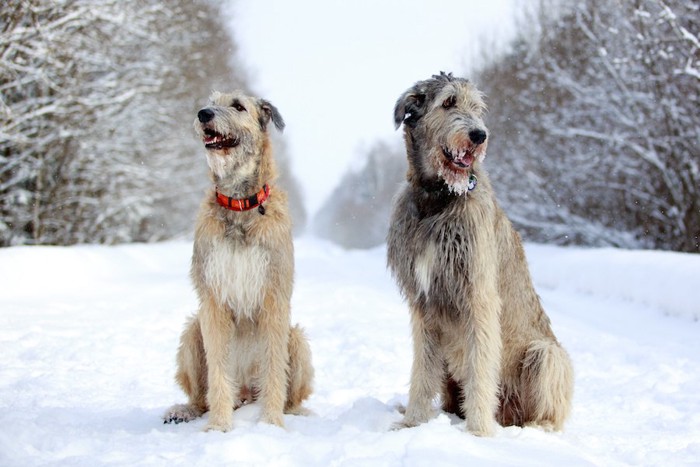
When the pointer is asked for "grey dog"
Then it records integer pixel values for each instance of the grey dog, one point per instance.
(481, 338)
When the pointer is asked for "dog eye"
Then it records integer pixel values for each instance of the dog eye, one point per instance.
(449, 102)
(237, 105)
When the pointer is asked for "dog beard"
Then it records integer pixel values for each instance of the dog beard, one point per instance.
(457, 183)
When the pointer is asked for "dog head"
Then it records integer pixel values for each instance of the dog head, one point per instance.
(444, 131)
(233, 128)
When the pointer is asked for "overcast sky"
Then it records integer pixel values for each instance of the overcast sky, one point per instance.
(335, 68)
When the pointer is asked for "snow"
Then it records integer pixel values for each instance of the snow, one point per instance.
(88, 336)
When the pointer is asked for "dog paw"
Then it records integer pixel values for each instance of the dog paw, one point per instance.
(542, 425)
(484, 431)
(220, 422)
(396, 426)
(181, 413)
(300, 411)
(218, 426)
(275, 419)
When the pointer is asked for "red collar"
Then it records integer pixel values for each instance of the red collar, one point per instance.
(245, 204)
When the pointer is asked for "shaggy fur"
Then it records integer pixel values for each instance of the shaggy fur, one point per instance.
(240, 346)
(480, 336)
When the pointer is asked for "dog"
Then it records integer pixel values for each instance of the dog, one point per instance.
(481, 338)
(240, 346)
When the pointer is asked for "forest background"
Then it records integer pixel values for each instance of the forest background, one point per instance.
(593, 112)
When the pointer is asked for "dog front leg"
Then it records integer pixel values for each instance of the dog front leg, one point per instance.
(426, 373)
(217, 332)
(481, 366)
(274, 327)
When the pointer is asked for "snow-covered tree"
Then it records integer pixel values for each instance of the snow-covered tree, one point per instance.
(595, 130)
(356, 215)
(98, 99)
(595, 127)
(72, 82)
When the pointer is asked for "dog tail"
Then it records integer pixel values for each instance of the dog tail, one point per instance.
(548, 383)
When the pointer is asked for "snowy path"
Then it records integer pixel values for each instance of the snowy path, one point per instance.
(88, 338)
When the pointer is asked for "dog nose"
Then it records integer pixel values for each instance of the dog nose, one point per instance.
(205, 115)
(477, 136)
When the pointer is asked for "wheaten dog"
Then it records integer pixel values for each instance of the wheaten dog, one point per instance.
(480, 335)
(240, 346)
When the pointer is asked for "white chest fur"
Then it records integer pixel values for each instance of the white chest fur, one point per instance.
(237, 275)
(423, 268)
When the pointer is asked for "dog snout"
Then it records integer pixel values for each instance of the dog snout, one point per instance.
(205, 115)
(477, 136)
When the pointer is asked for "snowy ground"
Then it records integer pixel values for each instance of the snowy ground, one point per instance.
(88, 338)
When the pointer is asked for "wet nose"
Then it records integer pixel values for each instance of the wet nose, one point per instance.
(477, 136)
(205, 115)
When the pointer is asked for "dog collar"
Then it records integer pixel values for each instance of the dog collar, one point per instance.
(245, 204)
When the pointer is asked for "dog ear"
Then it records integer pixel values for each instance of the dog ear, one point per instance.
(409, 108)
(269, 112)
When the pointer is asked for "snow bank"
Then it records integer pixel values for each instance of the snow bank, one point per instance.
(666, 281)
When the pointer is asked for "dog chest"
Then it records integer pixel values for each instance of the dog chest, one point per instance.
(442, 266)
(237, 273)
